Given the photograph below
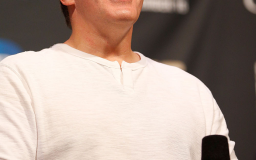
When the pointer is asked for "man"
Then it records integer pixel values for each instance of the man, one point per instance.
(93, 98)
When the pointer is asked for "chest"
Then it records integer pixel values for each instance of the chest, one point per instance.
(88, 116)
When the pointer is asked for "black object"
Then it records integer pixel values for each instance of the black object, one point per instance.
(215, 147)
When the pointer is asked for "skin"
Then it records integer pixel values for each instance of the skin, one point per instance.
(104, 27)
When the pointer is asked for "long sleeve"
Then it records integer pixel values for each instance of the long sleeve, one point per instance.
(215, 121)
(219, 126)
(18, 134)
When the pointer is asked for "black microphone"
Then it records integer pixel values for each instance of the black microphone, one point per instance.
(215, 147)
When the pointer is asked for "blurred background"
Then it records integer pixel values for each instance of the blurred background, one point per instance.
(215, 40)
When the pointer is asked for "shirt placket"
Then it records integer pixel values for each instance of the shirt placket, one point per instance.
(123, 75)
(127, 78)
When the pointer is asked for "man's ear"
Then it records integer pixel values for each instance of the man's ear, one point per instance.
(67, 2)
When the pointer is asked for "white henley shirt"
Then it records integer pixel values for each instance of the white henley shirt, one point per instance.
(63, 104)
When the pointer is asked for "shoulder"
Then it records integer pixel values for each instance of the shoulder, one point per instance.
(172, 72)
(174, 76)
(30, 59)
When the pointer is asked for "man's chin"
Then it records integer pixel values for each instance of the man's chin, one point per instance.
(121, 1)
(125, 15)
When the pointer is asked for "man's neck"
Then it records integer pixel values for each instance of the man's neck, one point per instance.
(108, 42)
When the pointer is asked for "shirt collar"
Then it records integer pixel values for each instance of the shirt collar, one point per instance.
(113, 64)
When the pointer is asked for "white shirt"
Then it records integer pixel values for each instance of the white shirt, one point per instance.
(63, 104)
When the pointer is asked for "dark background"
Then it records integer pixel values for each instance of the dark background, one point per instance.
(215, 41)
